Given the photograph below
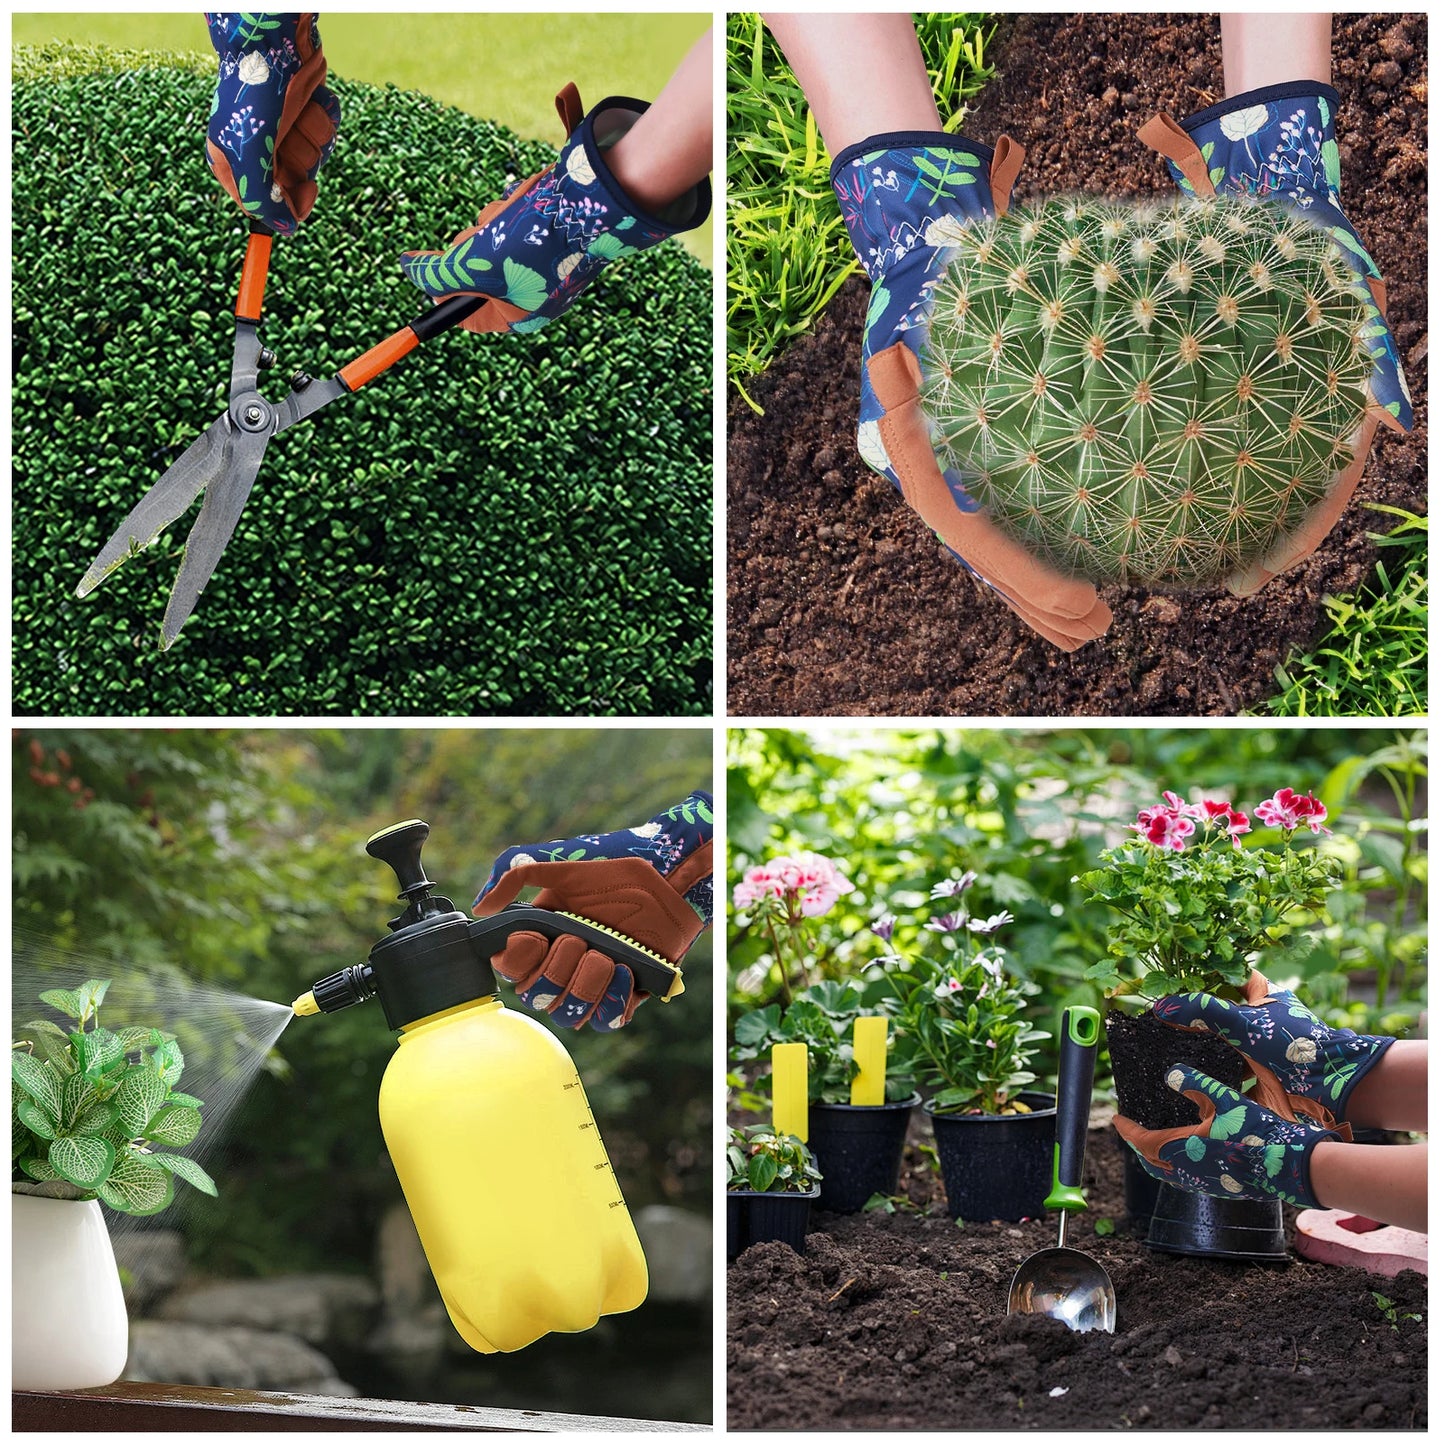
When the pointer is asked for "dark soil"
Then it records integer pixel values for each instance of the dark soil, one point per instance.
(840, 601)
(897, 1322)
(1144, 1048)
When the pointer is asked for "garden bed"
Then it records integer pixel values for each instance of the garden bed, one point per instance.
(840, 602)
(896, 1321)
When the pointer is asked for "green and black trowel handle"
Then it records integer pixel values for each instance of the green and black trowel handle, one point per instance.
(436, 958)
(1078, 1046)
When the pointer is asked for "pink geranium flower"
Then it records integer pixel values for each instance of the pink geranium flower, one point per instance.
(1164, 825)
(1225, 814)
(807, 881)
(1288, 810)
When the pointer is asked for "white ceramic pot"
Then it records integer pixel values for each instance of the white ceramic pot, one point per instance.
(68, 1322)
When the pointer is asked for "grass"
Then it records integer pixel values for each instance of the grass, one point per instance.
(787, 251)
(1373, 660)
(505, 68)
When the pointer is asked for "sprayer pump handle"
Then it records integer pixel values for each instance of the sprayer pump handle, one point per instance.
(400, 846)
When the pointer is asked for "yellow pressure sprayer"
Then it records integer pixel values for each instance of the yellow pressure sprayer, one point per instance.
(486, 1121)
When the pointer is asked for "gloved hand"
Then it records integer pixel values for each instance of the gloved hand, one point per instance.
(652, 883)
(905, 197)
(1303, 1066)
(535, 250)
(1278, 143)
(273, 122)
(1238, 1150)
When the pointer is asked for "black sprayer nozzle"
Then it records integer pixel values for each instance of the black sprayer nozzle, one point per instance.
(338, 991)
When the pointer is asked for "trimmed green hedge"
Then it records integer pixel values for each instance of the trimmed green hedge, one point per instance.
(501, 525)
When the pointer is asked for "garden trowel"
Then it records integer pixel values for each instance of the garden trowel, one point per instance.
(1061, 1282)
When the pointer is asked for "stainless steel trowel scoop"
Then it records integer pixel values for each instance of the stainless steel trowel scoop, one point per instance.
(1063, 1282)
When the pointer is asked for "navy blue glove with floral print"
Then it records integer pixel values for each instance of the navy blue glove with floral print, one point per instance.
(273, 121)
(906, 199)
(1278, 143)
(652, 883)
(535, 250)
(1238, 1150)
(1316, 1067)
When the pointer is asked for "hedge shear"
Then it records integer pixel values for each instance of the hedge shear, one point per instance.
(223, 461)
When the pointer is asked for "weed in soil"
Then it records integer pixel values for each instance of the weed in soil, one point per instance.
(839, 600)
(895, 1321)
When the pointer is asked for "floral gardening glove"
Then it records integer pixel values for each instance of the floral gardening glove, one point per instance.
(1278, 143)
(906, 197)
(537, 248)
(1302, 1064)
(652, 883)
(1238, 1150)
(273, 122)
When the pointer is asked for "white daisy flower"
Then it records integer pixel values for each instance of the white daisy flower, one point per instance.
(945, 231)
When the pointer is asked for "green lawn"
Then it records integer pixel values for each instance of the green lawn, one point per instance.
(502, 67)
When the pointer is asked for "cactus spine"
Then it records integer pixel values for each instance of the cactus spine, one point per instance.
(1146, 393)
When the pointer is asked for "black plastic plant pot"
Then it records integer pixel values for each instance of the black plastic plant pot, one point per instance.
(859, 1149)
(1201, 1225)
(997, 1166)
(765, 1217)
(1141, 1188)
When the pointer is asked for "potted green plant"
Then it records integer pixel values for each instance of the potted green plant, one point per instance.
(772, 1184)
(1199, 911)
(95, 1118)
(964, 1034)
(859, 1147)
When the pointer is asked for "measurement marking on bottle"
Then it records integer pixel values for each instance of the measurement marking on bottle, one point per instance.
(588, 1125)
(575, 1084)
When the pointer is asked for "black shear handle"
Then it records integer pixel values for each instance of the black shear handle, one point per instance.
(370, 364)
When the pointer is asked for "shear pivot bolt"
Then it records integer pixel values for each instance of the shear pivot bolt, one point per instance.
(253, 414)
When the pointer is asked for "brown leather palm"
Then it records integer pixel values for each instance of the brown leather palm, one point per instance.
(1064, 610)
(1173, 142)
(627, 894)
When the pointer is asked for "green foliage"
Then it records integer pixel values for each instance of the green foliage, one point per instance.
(767, 1162)
(821, 1017)
(1030, 809)
(1391, 1311)
(1147, 394)
(87, 1115)
(962, 1022)
(1372, 661)
(503, 525)
(1198, 920)
(787, 250)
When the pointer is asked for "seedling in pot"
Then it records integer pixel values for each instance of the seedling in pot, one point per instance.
(94, 1112)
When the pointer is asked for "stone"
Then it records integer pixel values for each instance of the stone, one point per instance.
(678, 1246)
(152, 1263)
(1335, 1236)
(319, 1308)
(234, 1357)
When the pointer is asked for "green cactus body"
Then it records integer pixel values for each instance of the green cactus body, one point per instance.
(1153, 394)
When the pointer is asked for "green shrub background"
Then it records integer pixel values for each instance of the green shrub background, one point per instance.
(501, 525)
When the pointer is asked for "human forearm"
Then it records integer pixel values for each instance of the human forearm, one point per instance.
(1392, 1094)
(1380, 1181)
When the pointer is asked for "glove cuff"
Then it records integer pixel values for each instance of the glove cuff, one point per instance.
(601, 128)
(1264, 96)
(909, 140)
(1342, 1108)
(900, 190)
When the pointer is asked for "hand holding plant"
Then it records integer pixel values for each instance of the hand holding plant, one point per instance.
(1196, 906)
(91, 1108)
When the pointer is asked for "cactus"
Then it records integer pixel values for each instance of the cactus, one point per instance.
(1153, 394)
